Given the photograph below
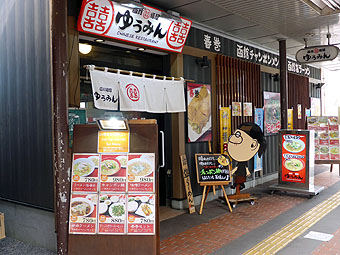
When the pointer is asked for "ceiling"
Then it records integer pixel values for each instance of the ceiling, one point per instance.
(262, 22)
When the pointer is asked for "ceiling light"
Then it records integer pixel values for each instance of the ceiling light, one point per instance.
(175, 16)
(141, 49)
(131, 3)
(85, 48)
(99, 40)
(128, 51)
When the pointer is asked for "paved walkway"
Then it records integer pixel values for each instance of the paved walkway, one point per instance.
(240, 231)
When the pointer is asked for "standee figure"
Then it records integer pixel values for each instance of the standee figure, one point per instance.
(246, 141)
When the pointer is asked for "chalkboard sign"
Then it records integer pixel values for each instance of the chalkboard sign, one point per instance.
(212, 168)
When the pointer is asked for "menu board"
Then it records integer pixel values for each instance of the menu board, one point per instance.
(212, 168)
(83, 214)
(141, 214)
(112, 214)
(113, 141)
(85, 172)
(326, 137)
(294, 158)
(141, 172)
(113, 172)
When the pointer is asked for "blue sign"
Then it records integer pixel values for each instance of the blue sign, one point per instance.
(259, 115)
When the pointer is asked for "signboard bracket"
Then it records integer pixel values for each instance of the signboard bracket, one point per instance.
(206, 192)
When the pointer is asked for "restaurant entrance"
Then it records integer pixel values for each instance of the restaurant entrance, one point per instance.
(131, 58)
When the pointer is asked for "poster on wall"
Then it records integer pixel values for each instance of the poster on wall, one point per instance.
(247, 109)
(83, 214)
(85, 172)
(294, 158)
(113, 172)
(225, 126)
(290, 118)
(299, 111)
(272, 113)
(112, 214)
(315, 106)
(236, 109)
(199, 112)
(259, 114)
(141, 214)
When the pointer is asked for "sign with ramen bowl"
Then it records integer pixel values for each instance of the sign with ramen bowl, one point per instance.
(113, 172)
(85, 172)
(141, 172)
(294, 158)
(83, 214)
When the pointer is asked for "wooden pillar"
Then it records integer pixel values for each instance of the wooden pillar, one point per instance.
(178, 134)
(62, 162)
(283, 84)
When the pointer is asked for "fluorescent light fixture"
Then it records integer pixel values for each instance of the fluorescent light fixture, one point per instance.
(85, 48)
(113, 124)
(99, 40)
(131, 3)
(141, 49)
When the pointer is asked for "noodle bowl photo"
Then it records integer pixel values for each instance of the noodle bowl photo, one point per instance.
(81, 207)
(83, 167)
(138, 167)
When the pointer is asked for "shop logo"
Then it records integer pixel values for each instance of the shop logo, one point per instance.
(132, 92)
(146, 14)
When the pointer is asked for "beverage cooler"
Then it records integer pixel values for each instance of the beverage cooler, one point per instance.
(296, 155)
(114, 204)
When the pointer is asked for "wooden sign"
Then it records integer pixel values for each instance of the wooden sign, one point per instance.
(212, 169)
(186, 177)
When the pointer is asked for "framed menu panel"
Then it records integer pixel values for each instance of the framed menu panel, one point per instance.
(294, 158)
(85, 172)
(141, 173)
(112, 214)
(141, 214)
(113, 172)
(83, 214)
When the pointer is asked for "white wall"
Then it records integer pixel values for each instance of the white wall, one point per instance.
(330, 92)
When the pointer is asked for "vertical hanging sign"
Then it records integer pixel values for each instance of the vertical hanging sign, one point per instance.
(225, 125)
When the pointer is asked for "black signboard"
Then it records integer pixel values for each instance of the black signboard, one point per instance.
(212, 168)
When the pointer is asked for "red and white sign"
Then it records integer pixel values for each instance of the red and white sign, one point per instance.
(294, 158)
(141, 173)
(131, 93)
(113, 172)
(83, 214)
(144, 26)
(141, 214)
(112, 214)
(85, 172)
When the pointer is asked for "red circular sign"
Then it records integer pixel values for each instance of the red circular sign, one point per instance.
(132, 92)
(146, 13)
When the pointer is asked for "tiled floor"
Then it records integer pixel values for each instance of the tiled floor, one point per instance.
(210, 236)
(330, 248)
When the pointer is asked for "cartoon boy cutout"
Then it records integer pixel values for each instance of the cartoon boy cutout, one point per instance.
(246, 141)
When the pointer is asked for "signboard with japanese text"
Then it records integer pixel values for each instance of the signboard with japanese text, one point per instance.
(85, 172)
(326, 137)
(294, 158)
(141, 172)
(187, 183)
(290, 119)
(317, 54)
(83, 214)
(259, 115)
(113, 141)
(144, 26)
(199, 112)
(272, 113)
(113, 172)
(212, 168)
(141, 214)
(112, 214)
(225, 126)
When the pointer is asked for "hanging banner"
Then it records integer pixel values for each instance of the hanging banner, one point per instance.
(131, 92)
(272, 113)
(199, 112)
(294, 158)
(290, 118)
(142, 25)
(104, 89)
(225, 126)
(259, 115)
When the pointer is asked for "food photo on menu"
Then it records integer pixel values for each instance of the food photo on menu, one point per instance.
(113, 172)
(83, 213)
(85, 172)
(112, 214)
(141, 172)
(141, 214)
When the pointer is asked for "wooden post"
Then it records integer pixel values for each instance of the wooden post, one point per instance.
(283, 83)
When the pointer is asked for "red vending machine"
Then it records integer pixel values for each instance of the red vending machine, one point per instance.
(114, 205)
